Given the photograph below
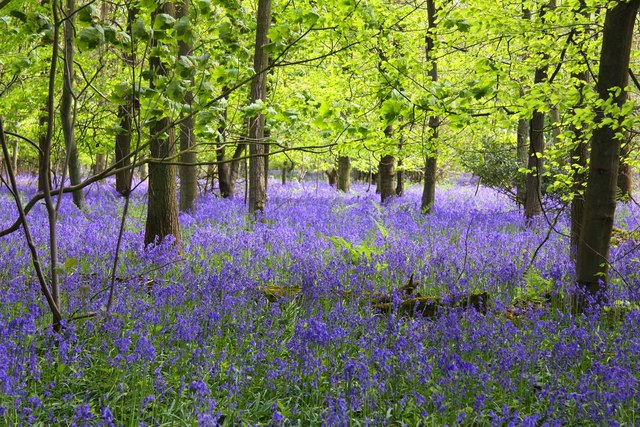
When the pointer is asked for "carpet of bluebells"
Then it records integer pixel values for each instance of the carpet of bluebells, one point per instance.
(193, 340)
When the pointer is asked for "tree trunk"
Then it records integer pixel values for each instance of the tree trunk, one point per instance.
(123, 147)
(399, 179)
(600, 196)
(267, 135)
(625, 174)
(43, 168)
(14, 156)
(283, 175)
(224, 168)
(162, 207)
(579, 155)
(533, 185)
(67, 113)
(101, 163)
(125, 117)
(188, 156)
(522, 157)
(387, 171)
(257, 162)
(578, 161)
(429, 189)
(554, 118)
(344, 174)
(332, 177)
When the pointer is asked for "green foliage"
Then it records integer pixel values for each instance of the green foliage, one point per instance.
(495, 163)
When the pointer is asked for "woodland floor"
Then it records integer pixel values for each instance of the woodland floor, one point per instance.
(305, 318)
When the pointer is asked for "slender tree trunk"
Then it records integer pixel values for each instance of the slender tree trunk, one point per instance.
(267, 135)
(430, 171)
(579, 155)
(123, 148)
(344, 174)
(188, 156)
(235, 171)
(533, 186)
(625, 173)
(522, 157)
(67, 113)
(387, 172)
(600, 196)
(257, 162)
(224, 169)
(399, 179)
(14, 156)
(125, 118)
(429, 190)
(554, 118)
(332, 177)
(43, 168)
(162, 207)
(522, 150)
(283, 175)
(578, 161)
(101, 163)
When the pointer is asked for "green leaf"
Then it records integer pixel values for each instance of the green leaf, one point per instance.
(88, 14)
(391, 110)
(184, 30)
(140, 30)
(71, 262)
(204, 6)
(18, 15)
(164, 21)
(91, 37)
(257, 107)
(19, 65)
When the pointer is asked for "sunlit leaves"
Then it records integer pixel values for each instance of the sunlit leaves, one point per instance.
(391, 110)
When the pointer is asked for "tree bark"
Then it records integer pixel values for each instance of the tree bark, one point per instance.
(224, 169)
(625, 173)
(600, 196)
(387, 171)
(162, 207)
(399, 179)
(578, 161)
(533, 186)
(429, 189)
(67, 114)
(344, 174)
(123, 148)
(257, 162)
(332, 177)
(522, 157)
(14, 156)
(125, 117)
(101, 163)
(43, 168)
(188, 156)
